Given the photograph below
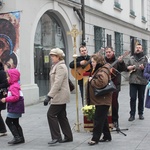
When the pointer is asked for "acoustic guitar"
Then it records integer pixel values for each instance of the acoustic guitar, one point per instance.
(78, 73)
(111, 65)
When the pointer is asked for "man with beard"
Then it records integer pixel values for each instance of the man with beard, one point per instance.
(137, 82)
(116, 70)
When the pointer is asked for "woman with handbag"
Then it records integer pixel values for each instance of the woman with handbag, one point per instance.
(100, 76)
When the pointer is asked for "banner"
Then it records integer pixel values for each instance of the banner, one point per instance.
(9, 39)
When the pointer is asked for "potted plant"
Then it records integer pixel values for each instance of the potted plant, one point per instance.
(88, 112)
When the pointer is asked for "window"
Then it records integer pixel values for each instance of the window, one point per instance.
(132, 12)
(99, 37)
(109, 40)
(117, 4)
(144, 45)
(118, 43)
(142, 11)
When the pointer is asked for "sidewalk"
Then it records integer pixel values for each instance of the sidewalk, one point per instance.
(37, 135)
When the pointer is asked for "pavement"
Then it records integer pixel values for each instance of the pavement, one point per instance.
(37, 134)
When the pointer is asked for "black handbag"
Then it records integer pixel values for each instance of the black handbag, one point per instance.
(110, 87)
(71, 85)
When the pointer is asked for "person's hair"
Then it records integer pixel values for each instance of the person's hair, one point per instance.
(81, 47)
(109, 47)
(60, 57)
(139, 44)
(6, 56)
(99, 59)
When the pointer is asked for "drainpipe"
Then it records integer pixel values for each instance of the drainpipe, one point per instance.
(83, 22)
(82, 18)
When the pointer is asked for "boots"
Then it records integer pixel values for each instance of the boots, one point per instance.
(21, 134)
(17, 139)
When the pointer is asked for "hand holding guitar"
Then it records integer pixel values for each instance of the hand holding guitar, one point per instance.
(134, 68)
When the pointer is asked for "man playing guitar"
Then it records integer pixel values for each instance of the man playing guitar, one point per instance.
(118, 66)
(80, 62)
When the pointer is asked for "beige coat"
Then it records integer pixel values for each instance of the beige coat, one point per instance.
(59, 86)
(100, 80)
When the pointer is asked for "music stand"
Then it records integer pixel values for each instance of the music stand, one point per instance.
(118, 130)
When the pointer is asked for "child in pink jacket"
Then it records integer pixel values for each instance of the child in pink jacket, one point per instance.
(15, 106)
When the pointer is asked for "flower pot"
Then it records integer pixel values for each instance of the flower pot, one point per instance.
(88, 124)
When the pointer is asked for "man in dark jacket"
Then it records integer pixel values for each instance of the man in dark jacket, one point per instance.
(137, 82)
(80, 62)
(116, 70)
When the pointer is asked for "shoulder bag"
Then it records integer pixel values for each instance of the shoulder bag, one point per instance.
(110, 87)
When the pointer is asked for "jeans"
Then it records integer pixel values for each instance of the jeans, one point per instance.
(137, 90)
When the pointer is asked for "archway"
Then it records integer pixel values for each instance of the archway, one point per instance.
(49, 34)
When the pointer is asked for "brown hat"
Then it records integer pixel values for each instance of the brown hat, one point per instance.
(57, 51)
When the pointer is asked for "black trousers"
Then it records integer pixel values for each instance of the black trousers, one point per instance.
(115, 107)
(57, 117)
(137, 90)
(101, 123)
(2, 125)
(81, 92)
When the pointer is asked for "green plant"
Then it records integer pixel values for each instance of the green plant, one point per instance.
(89, 111)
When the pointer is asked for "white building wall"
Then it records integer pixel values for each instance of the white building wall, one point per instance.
(96, 14)
(103, 14)
(31, 11)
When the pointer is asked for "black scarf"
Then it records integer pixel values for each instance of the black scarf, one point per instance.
(138, 56)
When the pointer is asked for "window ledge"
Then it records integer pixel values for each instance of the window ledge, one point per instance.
(101, 1)
(133, 16)
(118, 9)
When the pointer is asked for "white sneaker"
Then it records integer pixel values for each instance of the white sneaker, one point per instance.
(3, 134)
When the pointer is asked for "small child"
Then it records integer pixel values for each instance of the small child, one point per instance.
(15, 106)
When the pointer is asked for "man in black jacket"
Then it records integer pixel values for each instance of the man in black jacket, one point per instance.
(118, 67)
(81, 61)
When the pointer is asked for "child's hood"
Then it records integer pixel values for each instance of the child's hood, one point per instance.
(14, 75)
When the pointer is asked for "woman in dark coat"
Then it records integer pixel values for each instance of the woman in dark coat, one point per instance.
(146, 75)
(3, 91)
(99, 79)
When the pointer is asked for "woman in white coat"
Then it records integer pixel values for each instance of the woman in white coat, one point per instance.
(58, 96)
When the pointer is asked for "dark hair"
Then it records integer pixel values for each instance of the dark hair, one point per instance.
(81, 47)
(6, 56)
(109, 47)
(1, 66)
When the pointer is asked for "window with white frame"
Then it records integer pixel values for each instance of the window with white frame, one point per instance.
(142, 10)
(132, 12)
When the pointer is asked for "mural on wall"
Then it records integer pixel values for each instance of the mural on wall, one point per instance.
(9, 39)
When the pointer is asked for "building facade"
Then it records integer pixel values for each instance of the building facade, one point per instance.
(40, 25)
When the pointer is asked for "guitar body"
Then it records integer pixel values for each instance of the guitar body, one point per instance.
(78, 73)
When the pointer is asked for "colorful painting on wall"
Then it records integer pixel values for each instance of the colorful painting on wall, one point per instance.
(9, 39)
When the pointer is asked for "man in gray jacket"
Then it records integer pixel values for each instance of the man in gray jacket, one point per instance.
(137, 82)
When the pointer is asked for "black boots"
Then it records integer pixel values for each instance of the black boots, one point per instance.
(18, 135)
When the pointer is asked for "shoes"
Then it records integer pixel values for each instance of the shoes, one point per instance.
(16, 140)
(131, 118)
(3, 134)
(92, 143)
(104, 140)
(65, 140)
(141, 117)
(54, 141)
